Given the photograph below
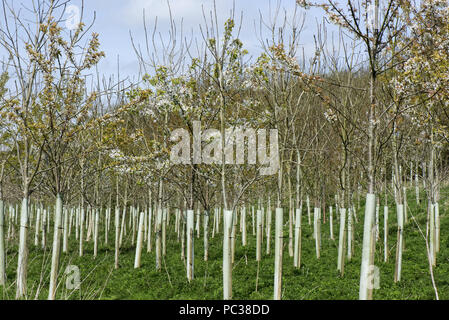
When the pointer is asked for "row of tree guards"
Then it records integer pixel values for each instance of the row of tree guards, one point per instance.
(149, 225)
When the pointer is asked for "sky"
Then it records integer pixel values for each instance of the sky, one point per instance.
(117, 19)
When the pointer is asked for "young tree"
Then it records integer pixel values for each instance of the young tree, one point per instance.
(374, 27)
(65, 113)
(16, 37)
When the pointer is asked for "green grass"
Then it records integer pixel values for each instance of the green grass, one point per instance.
(316, 279)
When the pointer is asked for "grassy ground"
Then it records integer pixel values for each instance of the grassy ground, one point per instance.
(316, 279)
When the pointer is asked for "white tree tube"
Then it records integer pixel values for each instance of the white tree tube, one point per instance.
(72, 213)
(365, 268)
(197, 226)
(37, 227)
(385, 233)
(44, 229)
(308, 209)
(117, 235)
(183, 234)
(244, 226)
(331, 223)
(2, 245)
(268, 227)
(253, 221)
(432, 233)
(297, 251)
(227, 267)
(96, 226)
(106, 226)
(77, 221)
(190, 239)
(145, 225)
(150, 217)
(214, 224)
(233, 235)
(341, 241)
(159, 238)
(437, 228)
(417, 187)
(259, 236)
(81, 237)
(377, 219)
(278, 254)
(405, 205)
(316, 218)
(164, 231)
(123, 226)
(133, 225)
(139, 244)
(218, 220)
(206, 235)
(56, 249)
(398, 267)
(349, 234)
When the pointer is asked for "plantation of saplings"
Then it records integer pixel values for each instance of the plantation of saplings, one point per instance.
(315, 279)
(223, 174)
